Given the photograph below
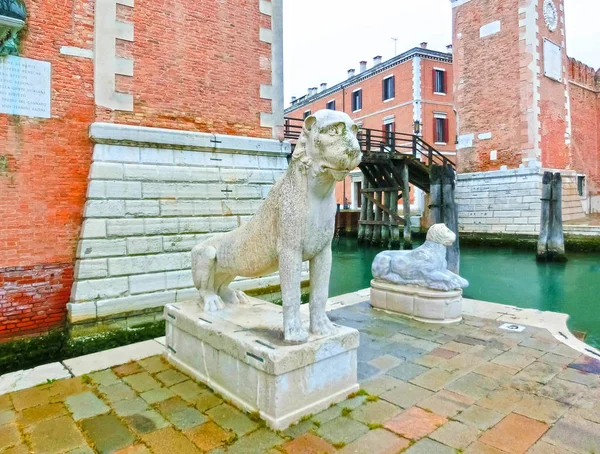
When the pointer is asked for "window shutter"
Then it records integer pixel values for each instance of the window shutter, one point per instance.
(393, 87)
(445, 79)
(435, 87)
(435, 131)
(383, 90)
(446, 131)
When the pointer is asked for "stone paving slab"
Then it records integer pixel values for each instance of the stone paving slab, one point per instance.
(469, 388)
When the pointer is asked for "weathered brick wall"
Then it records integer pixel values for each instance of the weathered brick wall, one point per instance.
(486, 77)
(180, 65)
(584, 95)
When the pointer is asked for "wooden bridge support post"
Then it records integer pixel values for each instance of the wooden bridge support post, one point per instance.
(378, 217)
(385, 228)
(450, 216)
(370, 217)
(363, 212)
(435, 194)
(406, 207)
(395, 229)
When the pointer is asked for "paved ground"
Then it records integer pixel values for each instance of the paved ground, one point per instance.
(466, 388)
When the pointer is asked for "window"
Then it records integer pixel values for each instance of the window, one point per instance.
(388, 133)
(389, 86)
(357, 100)
(306, 114)
(440, 128)
(330, 105)
(581, 185)
(439, 81)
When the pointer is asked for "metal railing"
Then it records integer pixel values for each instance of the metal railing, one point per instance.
(373, 140)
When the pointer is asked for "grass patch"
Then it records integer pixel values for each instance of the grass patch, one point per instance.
(317, 423)
(375, 426)
(255, 416)
(339, 445)
(58, 345)
(305, 418)
(360, 392)
(346, 412)
(371, 398)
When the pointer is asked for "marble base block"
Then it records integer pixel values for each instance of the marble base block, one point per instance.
(240, 353)
(419, 303)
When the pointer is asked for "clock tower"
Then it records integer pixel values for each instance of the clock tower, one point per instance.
(511, 89)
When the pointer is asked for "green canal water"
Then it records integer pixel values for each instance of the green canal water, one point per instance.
(505, 276)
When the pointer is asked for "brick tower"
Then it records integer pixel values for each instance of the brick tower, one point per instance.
(511, 88)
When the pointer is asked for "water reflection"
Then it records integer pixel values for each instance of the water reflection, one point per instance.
(503, 276)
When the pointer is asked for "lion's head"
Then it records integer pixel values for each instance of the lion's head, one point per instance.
(329, 144)
(439, 233)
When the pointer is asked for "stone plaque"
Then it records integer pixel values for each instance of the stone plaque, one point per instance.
(552, 60)
(25, 87)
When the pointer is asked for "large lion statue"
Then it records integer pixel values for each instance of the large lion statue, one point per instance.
(425, 266)
(295, 223)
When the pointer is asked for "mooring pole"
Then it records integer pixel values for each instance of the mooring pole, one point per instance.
(542, 246)
(377, 227)
(395, 229)
(385, 228)
(406, 207)
(556, 237)
(450, 216)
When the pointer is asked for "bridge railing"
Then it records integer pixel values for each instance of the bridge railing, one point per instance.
(374, 140)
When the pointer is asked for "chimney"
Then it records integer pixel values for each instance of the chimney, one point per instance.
(363, 66)
(324, 86)
(294, 99)
(351, 73)
(377, 60)
(424, 44)
(315, 90)
(449, 48)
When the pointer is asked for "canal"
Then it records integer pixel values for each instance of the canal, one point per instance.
(506, 276)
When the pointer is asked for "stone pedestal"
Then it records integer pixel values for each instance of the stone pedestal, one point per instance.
(240, 353)
(419, 303)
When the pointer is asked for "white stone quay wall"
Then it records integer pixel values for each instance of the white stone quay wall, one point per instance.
(509, 201)
(153, 194)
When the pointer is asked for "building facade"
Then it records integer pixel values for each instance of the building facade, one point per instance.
(412, 92)
(123, 142)
(523, 106)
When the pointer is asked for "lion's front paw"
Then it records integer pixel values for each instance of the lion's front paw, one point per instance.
(294, 333)
(213, 303)
(322, 326)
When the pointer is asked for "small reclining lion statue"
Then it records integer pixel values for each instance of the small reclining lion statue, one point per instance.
(295, 223)
(425, 266)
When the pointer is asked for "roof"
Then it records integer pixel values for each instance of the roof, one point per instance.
(398, 59)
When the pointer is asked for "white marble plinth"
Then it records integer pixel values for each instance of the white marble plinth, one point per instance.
(419, 303)
(240, 353)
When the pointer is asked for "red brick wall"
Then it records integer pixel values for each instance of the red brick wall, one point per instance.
(434, 103)
(186, 76)
(584, 94)
(487, 91)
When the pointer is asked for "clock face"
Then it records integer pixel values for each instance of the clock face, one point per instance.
(550, 15)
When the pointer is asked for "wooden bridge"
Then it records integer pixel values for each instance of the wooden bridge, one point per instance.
(391, 161)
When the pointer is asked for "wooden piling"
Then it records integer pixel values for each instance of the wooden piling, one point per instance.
(370, 218)
(556, 238)
(435, 194)
(542, 246)
(378, 218)
(407, 244)
(395, 229)
(363, 212)
(450, 216)
(385, 227)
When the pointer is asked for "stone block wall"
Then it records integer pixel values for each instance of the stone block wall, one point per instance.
(152, 195)
(508, 201)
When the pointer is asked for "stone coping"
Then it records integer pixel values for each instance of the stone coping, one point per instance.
(554, 322)
(108, 133)
(252, 334)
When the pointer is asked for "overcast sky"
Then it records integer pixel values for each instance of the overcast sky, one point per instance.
(325, 38)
